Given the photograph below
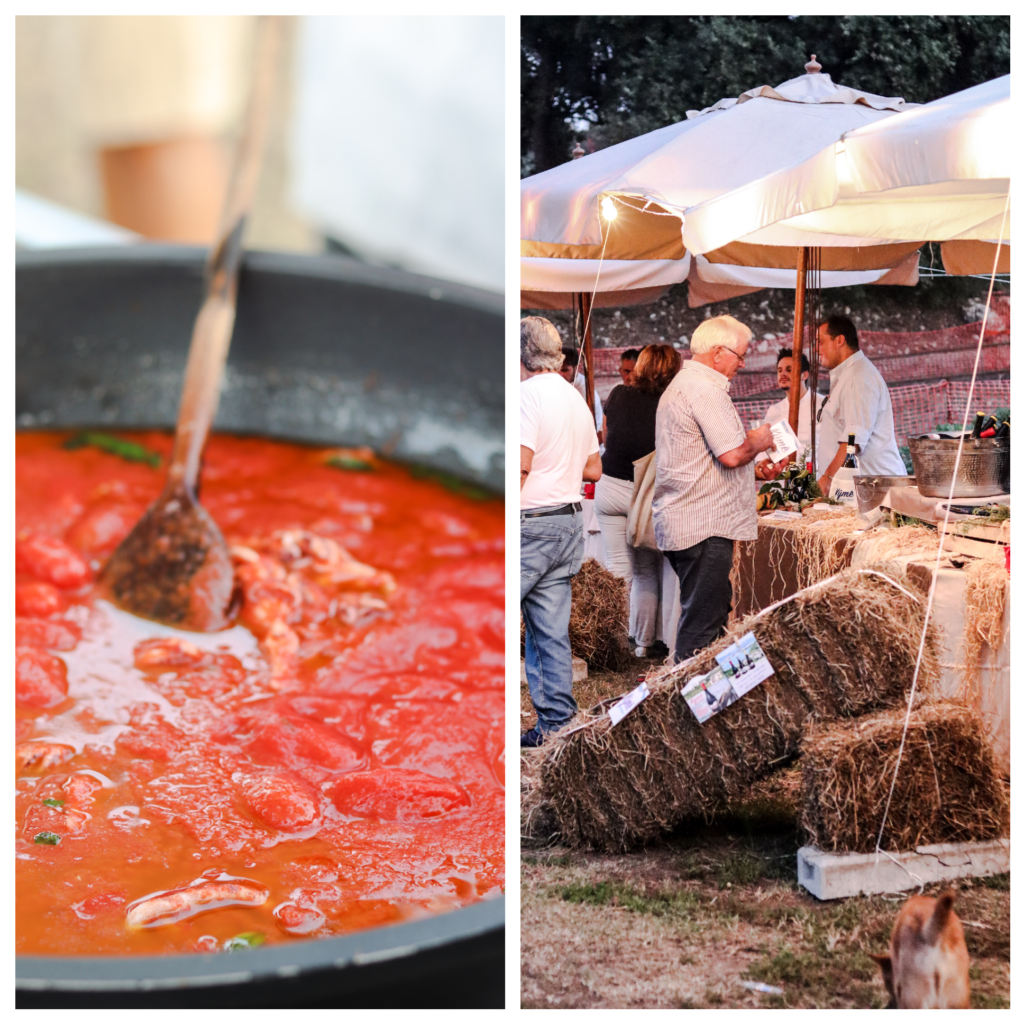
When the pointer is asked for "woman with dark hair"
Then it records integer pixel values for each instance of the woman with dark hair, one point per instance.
(630, 412)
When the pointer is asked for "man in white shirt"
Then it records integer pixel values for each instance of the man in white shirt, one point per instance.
(558, 450)
(858, 403)
(779, 412)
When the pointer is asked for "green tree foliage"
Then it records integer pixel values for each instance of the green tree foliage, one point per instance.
(601, 80)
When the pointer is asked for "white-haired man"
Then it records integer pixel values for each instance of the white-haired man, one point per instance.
(558, 450)
(705, 496)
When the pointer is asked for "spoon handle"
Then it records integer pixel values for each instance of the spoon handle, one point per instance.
(211, 335)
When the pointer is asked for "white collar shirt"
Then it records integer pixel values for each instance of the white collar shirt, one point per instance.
(858, 403)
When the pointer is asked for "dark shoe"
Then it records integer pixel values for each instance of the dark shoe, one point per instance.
(531, 738)
(657, 650)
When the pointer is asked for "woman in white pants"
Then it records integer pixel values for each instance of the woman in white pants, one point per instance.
(630, 413)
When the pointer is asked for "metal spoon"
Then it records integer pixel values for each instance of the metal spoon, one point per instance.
(174, 566)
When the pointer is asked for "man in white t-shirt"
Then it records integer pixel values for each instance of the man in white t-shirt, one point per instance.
(558, 450)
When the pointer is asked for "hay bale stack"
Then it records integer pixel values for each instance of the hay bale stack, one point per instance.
(947, 788)
(599, 623)
(536, 818)
(844, 648)
(984, 608)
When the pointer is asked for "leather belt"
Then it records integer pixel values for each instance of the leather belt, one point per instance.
(565, 510)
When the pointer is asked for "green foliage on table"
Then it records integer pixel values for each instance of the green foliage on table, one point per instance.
(793, 486)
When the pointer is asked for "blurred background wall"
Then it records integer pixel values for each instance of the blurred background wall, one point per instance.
(386, 138)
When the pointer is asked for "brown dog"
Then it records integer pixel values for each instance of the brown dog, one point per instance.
(926, 967)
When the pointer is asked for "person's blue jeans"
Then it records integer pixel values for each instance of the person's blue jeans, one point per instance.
(705, 593)
(550, 554)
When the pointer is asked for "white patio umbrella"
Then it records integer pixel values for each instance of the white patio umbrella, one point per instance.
(648, 184)
(939, 172)
(627, 203)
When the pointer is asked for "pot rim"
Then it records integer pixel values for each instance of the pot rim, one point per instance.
(330, 267)
(284, 961)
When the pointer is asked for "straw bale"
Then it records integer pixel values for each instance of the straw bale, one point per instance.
(984, 608)
(537, 819)
(906, 540)
(947, 787)
(599, 623)
(619, 787)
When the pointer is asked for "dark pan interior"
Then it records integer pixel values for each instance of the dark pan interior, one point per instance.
(325, 350)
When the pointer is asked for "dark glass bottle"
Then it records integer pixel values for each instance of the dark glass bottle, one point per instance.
(850, 462)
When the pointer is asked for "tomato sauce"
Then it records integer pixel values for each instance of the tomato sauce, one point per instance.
(333, 761)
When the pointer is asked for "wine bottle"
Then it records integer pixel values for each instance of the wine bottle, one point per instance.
(979, 418)
(850, 462)
(1003, 430)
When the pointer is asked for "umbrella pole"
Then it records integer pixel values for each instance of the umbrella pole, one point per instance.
(798, 341)
(588, 348)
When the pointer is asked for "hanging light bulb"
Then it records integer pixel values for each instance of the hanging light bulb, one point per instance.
(608, 208)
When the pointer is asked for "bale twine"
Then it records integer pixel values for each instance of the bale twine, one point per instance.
(947, 788)
(984, 608)
(847, 647)
(599, 622)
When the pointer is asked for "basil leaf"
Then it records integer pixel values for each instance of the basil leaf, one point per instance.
(54, 803)
(47, 838)
(128, 450)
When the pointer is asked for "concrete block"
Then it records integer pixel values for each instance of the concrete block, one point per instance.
(831, 876)
(579, 670)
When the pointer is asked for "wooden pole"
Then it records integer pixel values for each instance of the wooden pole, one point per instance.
(798, 340)
(588, 348)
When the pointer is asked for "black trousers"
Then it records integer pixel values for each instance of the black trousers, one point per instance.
(704, 593)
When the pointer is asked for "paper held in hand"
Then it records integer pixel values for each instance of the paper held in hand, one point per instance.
(741, 666)
(785, 441)
(617, 712)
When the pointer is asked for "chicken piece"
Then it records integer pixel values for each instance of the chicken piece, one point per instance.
(174, 905)
(282, 801)
(46, 634)
(166, 652)
(40, 679)
(38, 600)
(396, 794)
(53, 561)
(42, 756)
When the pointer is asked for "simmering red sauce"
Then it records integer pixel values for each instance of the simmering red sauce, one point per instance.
(333, 762)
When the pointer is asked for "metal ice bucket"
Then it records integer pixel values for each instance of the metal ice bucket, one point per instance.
(984, 466)
(871, 490)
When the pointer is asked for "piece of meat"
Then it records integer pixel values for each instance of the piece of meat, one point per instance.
(103, 526)
(396, 794)
(34, 754)
(283, 740)
(166, 652)
(298, 920)
(47, 634)
(38, 599)
(178, 904)
(282, 801)
(53, 561)
(40, 679)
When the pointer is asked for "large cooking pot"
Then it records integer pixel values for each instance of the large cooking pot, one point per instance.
(326, 350)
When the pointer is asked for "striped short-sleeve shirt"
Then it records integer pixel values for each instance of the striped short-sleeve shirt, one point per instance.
(695, 496)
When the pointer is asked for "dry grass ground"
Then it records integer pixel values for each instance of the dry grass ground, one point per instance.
(686, 923)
